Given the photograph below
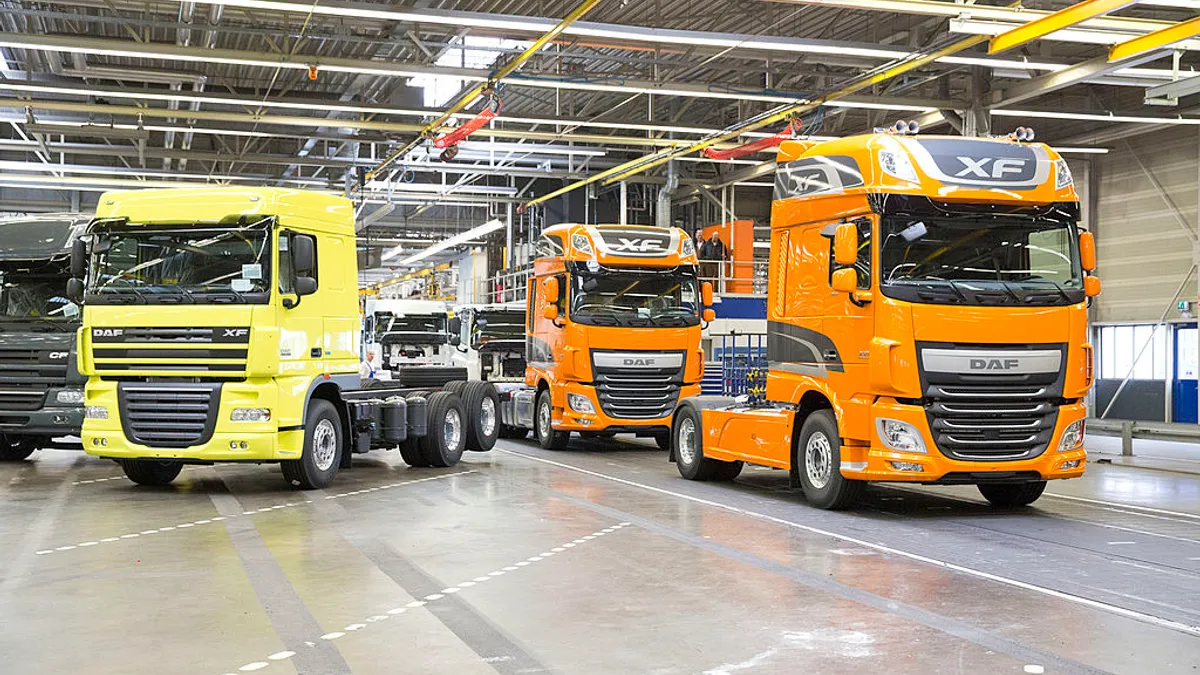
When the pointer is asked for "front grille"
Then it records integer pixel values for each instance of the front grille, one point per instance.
(992, 417)
(220, 351)
(638, 393)
(27, 374)
(168, 416)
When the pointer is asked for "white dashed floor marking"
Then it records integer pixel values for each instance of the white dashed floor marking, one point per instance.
(217, 519)
(433, 597)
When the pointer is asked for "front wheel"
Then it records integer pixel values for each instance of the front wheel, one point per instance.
(323, 447)
(1012, 495)
(547, 437)
(16, 448)
(688, 438)
(151, 471)
(819, 459)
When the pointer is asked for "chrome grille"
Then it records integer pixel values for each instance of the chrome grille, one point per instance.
(635, 393)
(26, 375)
(168, 416)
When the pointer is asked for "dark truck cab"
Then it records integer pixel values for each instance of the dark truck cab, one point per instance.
(41, 390)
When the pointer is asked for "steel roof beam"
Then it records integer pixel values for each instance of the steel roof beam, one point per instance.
(1052, 23)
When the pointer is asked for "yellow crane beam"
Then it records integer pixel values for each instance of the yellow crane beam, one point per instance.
(1159, 39)
(1051, 23)
(476, 91)
(665, 155)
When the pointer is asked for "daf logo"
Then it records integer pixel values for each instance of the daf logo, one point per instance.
(236, 332)
(58, 355)
(108, 332)
(999, 167)
(639, 362)
(994, 364)
(637, 245)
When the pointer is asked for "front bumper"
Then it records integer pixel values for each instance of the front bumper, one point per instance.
(49, 421)
(566, 419)
(877, 462)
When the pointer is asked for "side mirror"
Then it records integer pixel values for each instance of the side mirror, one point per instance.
(709, 315)
(304, 258)
(550, 288)
(706, 293)
(78, 258)
(1087, 251)
(1091, 286)
(455, 326)
(482, 322)
(305, 285)
(75, 289)
(845, 280)
(845, 244)
(550, 312)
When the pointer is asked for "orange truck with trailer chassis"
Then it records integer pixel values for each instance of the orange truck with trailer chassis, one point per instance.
(612, 334)
(927, 323)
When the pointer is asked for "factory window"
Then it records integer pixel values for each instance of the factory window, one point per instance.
(1119, 347)
(471, 51)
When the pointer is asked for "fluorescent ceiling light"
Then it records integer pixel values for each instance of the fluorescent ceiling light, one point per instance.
(1095, 117)
(1080, 151)
(532, 148)
(456, 240)
(750, 183)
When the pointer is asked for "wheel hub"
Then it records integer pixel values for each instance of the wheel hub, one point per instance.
(544, 420)
(818, 460)
(487, 416)
(686, 446)
(452, 429)
(324, 445)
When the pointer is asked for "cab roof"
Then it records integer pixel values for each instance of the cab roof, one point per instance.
(950, 168)
(618, 245)
(191, 205)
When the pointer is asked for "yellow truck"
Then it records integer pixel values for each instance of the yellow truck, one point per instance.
(222, 325)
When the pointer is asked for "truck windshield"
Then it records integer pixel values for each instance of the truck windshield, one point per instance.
(35, 294)
(198, 264)
(501, 325)
(980, 260)
(386, 322)
(635, 296)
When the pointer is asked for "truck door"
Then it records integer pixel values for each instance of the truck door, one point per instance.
(302, 328)
(849, 325)
(547, 337)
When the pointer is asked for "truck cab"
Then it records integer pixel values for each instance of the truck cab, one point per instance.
(41, 390)
(927, 323)
(613, 324)
(412, 340)
(490, 341)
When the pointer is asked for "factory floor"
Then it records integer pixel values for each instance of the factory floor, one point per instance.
(597, 559)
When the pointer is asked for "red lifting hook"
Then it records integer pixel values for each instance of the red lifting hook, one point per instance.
(470, 126)
(754, 146)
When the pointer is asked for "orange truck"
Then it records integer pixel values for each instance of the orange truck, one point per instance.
(613, 320)
(927, 323)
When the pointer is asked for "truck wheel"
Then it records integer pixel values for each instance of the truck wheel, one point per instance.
(151, 471)
(323, 447)
(819, 457)
(1011, 495)
(411, 453)
(455, 387)
(483, 405)
(688, 438)
(543, 425)
(446, 438)
(16, 448)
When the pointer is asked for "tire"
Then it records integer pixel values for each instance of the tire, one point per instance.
(818, 458)
(446, 438)
(482, 403)
(543, 426)
(1012, 495)
(16, 448)
(456, 387)
(687, 437)
(513, 433)
(151, 471)
(323, 448)
(411, 453)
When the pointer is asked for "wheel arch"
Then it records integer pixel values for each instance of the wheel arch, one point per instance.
(330, 389)
(699, 404)
(812, 401)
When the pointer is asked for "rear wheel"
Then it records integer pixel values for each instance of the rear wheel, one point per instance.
(16, 448)
(445, 439)
(151, 471)
(483, 419)
(688, 438)
(323, 447)
(456, 387)
(819, 460)
(547, 437)
(1011, 495)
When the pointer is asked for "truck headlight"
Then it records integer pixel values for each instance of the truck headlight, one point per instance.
(900, 436)
(69, 396)
(95, 412)
(1072, 437)
(250, 415)
(581, 404)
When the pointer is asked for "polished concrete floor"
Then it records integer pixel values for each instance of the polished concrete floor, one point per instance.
(598, 559)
